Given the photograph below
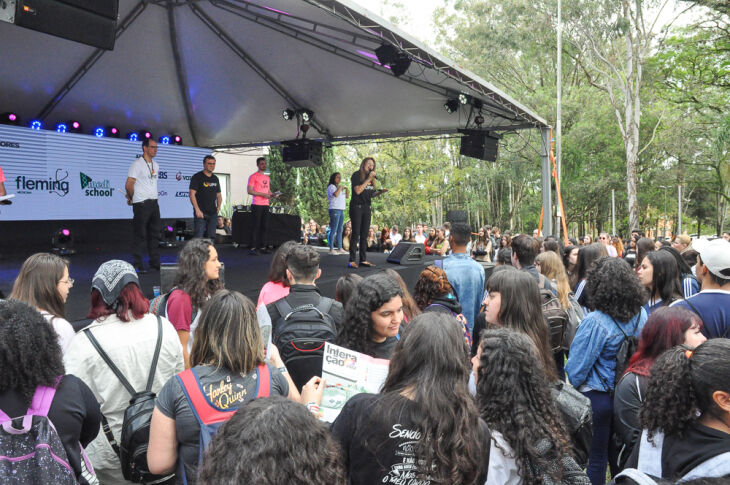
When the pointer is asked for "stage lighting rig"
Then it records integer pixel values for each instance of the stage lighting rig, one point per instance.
(36, 125)
(164, 140)
(74, 127)
(288, 114)
(451, 105)
(62, 242)
(146, 134)
(398, 62)
(112, 132)
(463, 98)
(61, 128)
(177, 140)
(306, 114)
(9, 118)
(99, 132)
(133, 136)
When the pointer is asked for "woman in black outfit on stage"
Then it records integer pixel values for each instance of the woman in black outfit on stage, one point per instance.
(363, 190)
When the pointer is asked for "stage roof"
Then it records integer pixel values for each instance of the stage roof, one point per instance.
(219, 73)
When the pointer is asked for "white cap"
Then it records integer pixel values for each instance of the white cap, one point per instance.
(715, 255)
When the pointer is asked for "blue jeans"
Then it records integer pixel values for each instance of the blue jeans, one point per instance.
(602, 404)
(337, 221)
(206, 226)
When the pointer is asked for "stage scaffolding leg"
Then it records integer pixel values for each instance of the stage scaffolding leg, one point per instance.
(547, 205)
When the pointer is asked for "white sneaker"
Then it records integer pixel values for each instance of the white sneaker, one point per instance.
(334, 252)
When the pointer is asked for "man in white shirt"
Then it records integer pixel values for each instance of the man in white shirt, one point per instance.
(606, 241)
(395, 237)
(141, 190)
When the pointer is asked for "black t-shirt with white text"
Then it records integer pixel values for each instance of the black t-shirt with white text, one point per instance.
(206, 192)
(364, 197)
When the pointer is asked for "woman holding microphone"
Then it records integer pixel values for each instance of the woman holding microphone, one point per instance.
(337, 197)
(363, 190)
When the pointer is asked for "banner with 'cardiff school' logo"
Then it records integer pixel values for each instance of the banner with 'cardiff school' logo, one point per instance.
(68, 176)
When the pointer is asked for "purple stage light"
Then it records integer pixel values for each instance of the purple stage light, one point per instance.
(371, 55)
(147, 134)
(170, 229)
(12, 117)
(65, 232)
(275, 10)
(114, 131)
(76, 125)
(178, 139)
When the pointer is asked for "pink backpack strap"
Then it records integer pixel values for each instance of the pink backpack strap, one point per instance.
(42, 398)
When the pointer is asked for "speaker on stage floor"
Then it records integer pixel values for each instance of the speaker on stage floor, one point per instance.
(407, 253)
(168, 271)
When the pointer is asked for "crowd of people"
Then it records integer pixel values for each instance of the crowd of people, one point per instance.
(483, 386)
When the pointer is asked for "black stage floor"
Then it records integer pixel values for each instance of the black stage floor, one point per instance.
(243, 272)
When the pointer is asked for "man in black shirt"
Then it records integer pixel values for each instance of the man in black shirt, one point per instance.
(363, 190)
(205, 195)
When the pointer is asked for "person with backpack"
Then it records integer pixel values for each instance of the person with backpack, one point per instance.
(51, 449)
(373, 317)
(423, 427)
(196, 280)
(665, 328)
(602, 347)
(228, 370)
(124, 341)
(303, 320)
(511, 385)
(686, 415)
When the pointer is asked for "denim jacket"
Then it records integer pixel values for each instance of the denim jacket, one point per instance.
(467, 278)
(592, 360)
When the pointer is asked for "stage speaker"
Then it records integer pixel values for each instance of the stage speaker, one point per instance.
(302, 153)
(456, 216)
(407, 253)
(169, 270)
(479, 144)
(91, 22)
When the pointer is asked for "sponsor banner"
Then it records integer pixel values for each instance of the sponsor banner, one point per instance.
(68, 176)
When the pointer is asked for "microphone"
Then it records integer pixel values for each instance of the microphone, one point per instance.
(376, 177)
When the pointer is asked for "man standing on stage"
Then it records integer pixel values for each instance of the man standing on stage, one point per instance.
(259, 186)
(141, 190)
(205, 195)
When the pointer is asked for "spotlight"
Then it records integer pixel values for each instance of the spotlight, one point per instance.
(112, 132)
(477, 103)
(36, 125)
(479, 120)
(451, 105)
(62, 242)
(99, 132)
(9, 118)
(168, 237)
(306, 114)
(75, 127)
(177, 139)
(463, 98)
(164, 140)
(388, 55)
(146, 134)
(133, 136)
(288, 114)
(61, 128)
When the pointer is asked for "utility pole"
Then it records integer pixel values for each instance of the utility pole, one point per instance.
(558, 118)
(613, 212)
(679, 210)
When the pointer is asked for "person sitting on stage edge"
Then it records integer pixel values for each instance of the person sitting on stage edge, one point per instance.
(141, 188)
(259, 186)
(363, 190)
(205, 195)
(196, 280)
(373, 317)
(440, 245)
(44, 284)
(302, 270)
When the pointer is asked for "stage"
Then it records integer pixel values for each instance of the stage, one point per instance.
(243, 272)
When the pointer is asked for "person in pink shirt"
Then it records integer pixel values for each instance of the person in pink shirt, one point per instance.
(259, 186)
(2, 182)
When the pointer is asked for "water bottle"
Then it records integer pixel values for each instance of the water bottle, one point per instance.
(155, 291)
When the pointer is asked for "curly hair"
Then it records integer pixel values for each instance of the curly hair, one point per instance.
(521, 310)
(191, 276)
(432, 283)
(663, 330)
(270, 441)
(682, 383)
(37, 283)
(665, 280)
(613, 288)
(431, 362)
(514, 398)
(30, 355)
(373, 292)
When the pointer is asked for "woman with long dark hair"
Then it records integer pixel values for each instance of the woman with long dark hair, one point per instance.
(410, 308)
(529, 441)
(570, 259)
(345, 287)
(587, 256)
(364, 188)
(408, 235)
(644, 246)
(44, 283)
(482, 250)
(513, 301)
(665, 328)
(128, 334)
(440, 244)
(337, 198)
(424, 424)
(373, 241)
(196, 281)
(277, 286)
(30, 357)
(228, 366)
(616, 294)
(373, 317)
(276, 441)
(659, 274)
(686, 414)
(690, 285)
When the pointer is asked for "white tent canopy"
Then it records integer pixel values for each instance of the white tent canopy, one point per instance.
(219, 73)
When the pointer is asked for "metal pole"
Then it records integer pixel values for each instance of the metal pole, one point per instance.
(547, 221)
(558, 122)
(679, 210)
(613, 212)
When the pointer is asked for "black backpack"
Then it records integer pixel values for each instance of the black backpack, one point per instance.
(578, 418)
(626, 349)
(556, 316)
(300, 334)
(132, 447)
